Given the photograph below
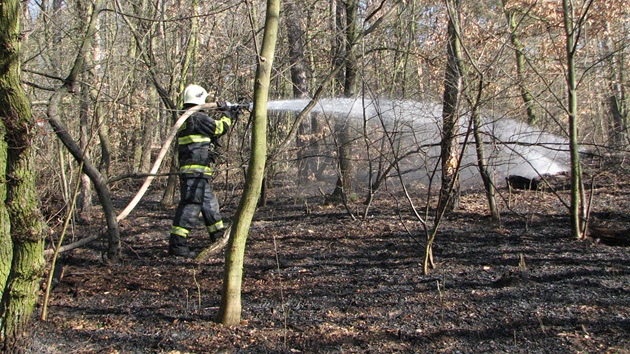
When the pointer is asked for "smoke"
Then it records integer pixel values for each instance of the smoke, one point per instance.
(413, 130)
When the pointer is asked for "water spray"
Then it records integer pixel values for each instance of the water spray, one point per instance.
(516, 147)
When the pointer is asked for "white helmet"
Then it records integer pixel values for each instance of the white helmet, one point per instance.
(195, 94)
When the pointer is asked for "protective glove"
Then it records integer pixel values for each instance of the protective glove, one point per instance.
(235, 113)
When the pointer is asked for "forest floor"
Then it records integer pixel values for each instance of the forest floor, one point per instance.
(317, 281)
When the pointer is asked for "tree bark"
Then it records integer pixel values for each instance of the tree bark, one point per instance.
(230, 308)
(343, 187)
(84, 200)
(295, 37)
(617, 83)
(19, 197)
(528, 101)
(576, 207)
(6, 245)
(486, 176)
(148, 131)
(307, 146)
(449, 190)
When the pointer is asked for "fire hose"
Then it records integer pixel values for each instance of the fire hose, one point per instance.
(156, 165)
(173, 132)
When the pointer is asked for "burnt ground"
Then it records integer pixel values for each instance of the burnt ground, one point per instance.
(317, 281)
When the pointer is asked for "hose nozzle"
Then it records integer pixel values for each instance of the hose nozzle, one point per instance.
(244, 106)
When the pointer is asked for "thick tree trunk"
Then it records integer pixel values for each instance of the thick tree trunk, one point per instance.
(27, 227)
(170, 191)
(106, 146)
(352, 67)
(230, 308)
(449, 152)
(343, 187)
(617, 132)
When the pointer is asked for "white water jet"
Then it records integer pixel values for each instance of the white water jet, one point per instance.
(512, 147)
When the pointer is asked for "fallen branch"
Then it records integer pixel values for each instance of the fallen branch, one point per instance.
(213, 248)
(81, 242)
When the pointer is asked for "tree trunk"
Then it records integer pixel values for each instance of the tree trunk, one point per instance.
(295, 37)
(343, 187)
(449, 151)
(576, 208)
(6, 245)
(449, 190)
(230, 308)
(84, 200)
(484, 172)
(617, 105)
(99, 181)
(105, 144)
(305, 143)
(20, 205)
(617, 132)
(188, 69)
(528, 101)
(351, 35)
(148, 130)
(486, 176)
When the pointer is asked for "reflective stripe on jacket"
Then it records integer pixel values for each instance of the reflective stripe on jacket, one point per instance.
(195, 138)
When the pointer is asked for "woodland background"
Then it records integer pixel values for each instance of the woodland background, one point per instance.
(144, 53)
(136, 57)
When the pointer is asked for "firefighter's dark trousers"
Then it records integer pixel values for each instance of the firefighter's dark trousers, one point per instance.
(196, 197)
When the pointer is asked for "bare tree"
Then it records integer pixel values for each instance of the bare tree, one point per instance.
(511, 14)
(572, 30)
(614, 53)
(230, 309)
(99, 181)
(346, 19)
(453, 85)
(306, 144)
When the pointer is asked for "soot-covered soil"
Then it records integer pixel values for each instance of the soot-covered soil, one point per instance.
(316, 281)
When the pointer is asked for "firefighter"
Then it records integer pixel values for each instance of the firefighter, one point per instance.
(196, 144)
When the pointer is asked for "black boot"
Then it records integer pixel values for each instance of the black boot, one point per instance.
(177, 246)
(217, 235)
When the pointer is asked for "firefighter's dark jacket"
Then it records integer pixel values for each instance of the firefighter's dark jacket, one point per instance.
(195, 139)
